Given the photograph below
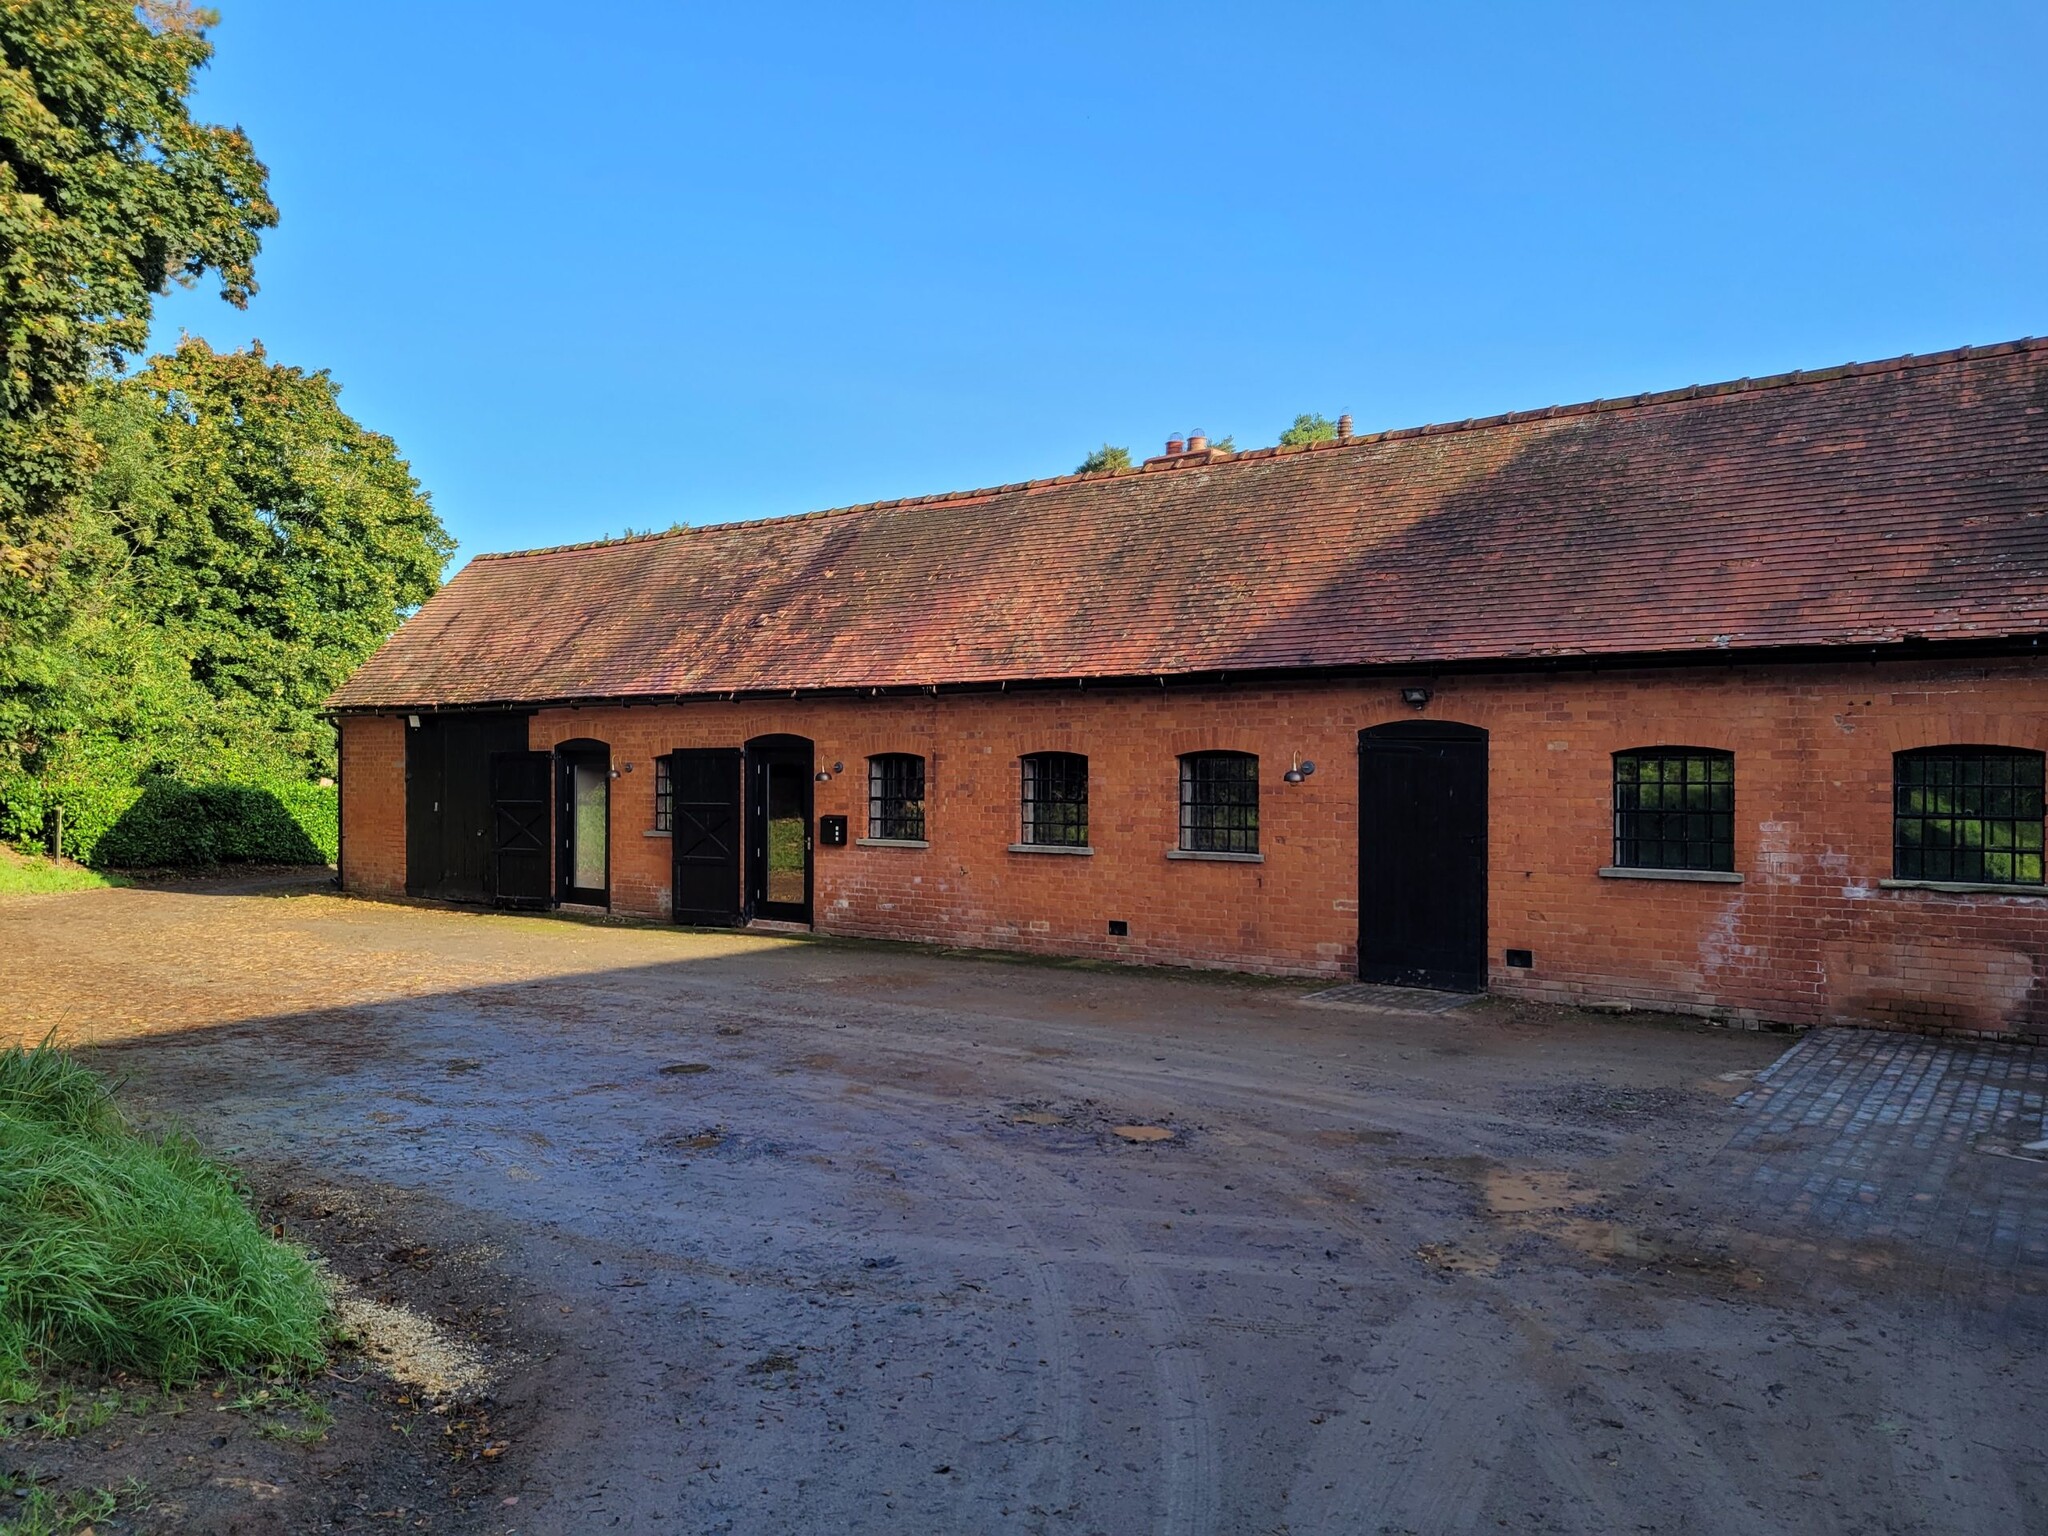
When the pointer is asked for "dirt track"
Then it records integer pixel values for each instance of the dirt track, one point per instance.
(801, 1237)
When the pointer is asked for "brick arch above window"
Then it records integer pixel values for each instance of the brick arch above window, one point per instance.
(1192, 739)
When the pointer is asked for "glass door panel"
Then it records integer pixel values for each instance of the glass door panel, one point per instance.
(589, 788)
(787, 857)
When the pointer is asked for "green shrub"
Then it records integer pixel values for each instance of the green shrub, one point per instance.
(119, 1251)
(174, 824)
(166, 823)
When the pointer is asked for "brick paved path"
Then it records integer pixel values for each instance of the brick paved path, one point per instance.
(1867, 1135)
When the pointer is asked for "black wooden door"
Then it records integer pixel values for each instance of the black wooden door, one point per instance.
(705, 826)
(1422, 855)
(448, 817)
(522, 793)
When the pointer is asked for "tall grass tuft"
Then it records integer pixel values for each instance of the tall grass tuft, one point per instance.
(132, 1252)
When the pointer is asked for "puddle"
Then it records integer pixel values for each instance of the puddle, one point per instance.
(685, 1068)
(1141, 1133)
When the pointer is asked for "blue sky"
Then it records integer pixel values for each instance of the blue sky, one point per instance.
(619, 265)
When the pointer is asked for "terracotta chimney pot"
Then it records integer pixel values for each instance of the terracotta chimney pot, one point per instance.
(1197, 442)
(1343, 426)
(1174, 445)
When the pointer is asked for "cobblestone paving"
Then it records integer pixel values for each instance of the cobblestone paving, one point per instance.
(1864, 1135)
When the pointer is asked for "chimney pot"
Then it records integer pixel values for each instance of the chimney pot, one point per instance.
(1197, 441)
(1174, 445)
(1343, 426)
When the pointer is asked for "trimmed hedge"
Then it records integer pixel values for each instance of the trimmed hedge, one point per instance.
(165, 823)
(173, 824)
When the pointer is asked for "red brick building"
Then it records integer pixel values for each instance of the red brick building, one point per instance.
(1729, 700)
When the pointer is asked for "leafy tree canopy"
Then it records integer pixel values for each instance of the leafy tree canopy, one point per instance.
(1309, 428)
(1105, 459)
(271, 538)
(109, 191)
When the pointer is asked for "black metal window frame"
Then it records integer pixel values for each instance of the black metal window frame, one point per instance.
(896, 797)
(1219, 802)
(1674, 808)
(1055, 799)
(664, 795)
(1968, 814)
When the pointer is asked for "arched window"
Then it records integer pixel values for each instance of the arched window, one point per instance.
(1056, 800)
(1969, 814)
(896, 797)
(1674, 808)
(1219, 802)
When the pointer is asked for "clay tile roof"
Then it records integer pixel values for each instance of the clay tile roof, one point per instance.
(1869, 504)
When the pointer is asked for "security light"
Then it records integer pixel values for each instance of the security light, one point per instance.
(1417, 697)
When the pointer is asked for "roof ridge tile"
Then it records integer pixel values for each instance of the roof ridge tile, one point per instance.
(1793, 379)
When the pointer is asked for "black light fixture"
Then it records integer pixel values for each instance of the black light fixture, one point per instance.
(1416, 696)
(1302, 769)
(823, 776)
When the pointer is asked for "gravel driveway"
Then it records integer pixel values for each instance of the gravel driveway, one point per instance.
(796, 1236)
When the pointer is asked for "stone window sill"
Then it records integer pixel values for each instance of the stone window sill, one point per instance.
(1701, 876)
(1966, 888)
(1215, 858)
(657, 832)
(892, 842)
(1082, 849)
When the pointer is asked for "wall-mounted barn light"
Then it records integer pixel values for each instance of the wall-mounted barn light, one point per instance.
(1416, 697)
(1302, 769)
(413, 721)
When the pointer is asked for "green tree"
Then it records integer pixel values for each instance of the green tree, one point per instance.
(1309, 428)
(1105, 459)
(270, 539)
(109, 192)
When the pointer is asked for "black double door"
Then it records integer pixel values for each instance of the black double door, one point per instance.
(1422, 855)
(450, 822)
(741, 827)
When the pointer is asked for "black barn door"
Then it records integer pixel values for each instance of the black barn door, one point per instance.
(522, 793)
(449, 831)
(1422, 855)
(706, 831)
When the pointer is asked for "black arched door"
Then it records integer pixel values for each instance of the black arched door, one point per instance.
(779, 828)
(1422, 855)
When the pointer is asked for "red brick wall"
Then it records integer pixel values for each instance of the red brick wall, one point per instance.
(1809, 935)
(373, 804)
